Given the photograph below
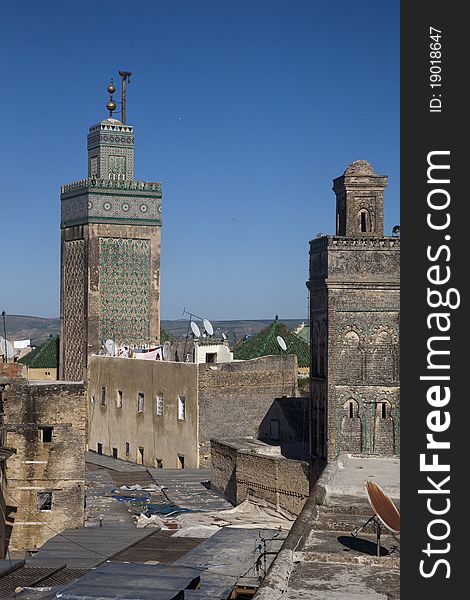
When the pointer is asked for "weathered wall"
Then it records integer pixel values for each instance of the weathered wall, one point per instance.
(354, 285)
(163, 437)
(286, 424)
(42, 374)
(235, 397)
(241, 467)
(57, 466)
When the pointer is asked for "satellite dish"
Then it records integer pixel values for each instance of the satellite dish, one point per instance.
(396, 230)
(281, 342)
(208, 327)
(195, 329)
(224, 337)
(7, 349)
(383, 507)
(111, 347)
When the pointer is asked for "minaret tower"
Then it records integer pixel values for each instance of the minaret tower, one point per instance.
(110, 250)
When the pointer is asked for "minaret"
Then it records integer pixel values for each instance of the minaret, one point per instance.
(354, 289)
(110, 251)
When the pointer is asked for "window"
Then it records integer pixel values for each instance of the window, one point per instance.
(351, 410)
(140, 455)
(159, 406)
(103, 395)
(159, 462)
(44, 501)
(128, 449)
(45, 434)
(384, 410)
(100, 448)
(180, 461)
(181, 408)
(115, 454)
(211, 357)
(140, 402)
(119, 399)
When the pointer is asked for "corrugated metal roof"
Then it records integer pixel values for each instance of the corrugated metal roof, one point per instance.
(133, 581)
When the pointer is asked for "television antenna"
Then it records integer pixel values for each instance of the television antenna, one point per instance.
(385, 512)
(6, 348)
(110, 346)
(281, 342)
(208, 327)
(195, 329)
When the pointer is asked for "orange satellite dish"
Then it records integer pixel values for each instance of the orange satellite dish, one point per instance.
(383, 507)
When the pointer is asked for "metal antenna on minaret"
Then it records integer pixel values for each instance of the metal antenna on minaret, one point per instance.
(111, 105)
(125, 76)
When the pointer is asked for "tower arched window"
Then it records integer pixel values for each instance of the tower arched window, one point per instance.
(364, 221)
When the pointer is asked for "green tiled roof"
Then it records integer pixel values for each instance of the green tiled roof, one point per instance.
(45, 356)
(265, 343)
(166, 336)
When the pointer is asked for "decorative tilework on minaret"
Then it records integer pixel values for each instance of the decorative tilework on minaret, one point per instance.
(110, 258)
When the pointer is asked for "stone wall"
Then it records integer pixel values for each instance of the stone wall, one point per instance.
(120, 427)
(242, 467)
(235, 397)
(46, 424)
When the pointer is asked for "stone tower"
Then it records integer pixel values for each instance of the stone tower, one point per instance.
(354, 325)
(110, 252)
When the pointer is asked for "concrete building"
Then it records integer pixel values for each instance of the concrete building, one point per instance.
(354, 323)
(164, 414)
(45, 423)
(110, 252)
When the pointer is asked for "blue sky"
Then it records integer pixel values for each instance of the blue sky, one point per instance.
(245, 110)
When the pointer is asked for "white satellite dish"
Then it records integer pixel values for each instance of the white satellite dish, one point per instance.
(111, 347)
(7, 349)
(195, 329)
(208, 327)
(281, 342)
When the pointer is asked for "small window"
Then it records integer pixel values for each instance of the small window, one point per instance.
(100, 448)
(115, 454)
(128, 449)
(211, 357)
(351, 410)
(119, 399)
(180, 461)
(103, 395)
(159, 406)
(159, 462)
(45, 434)
(44, 501)
(384, 410)
(140, 402)
(274, 429)
(181, 408)
(140, 455)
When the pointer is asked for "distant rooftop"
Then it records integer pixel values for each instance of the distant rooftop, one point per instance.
(265, 344)
(45, 356)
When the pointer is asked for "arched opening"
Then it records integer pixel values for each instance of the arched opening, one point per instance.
(364, 221)
(351, 427)
(384, 429)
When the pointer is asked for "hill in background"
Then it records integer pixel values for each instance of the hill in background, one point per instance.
(39, 329)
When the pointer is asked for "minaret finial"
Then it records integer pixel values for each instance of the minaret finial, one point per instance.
(125, 77)
(111, 105)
